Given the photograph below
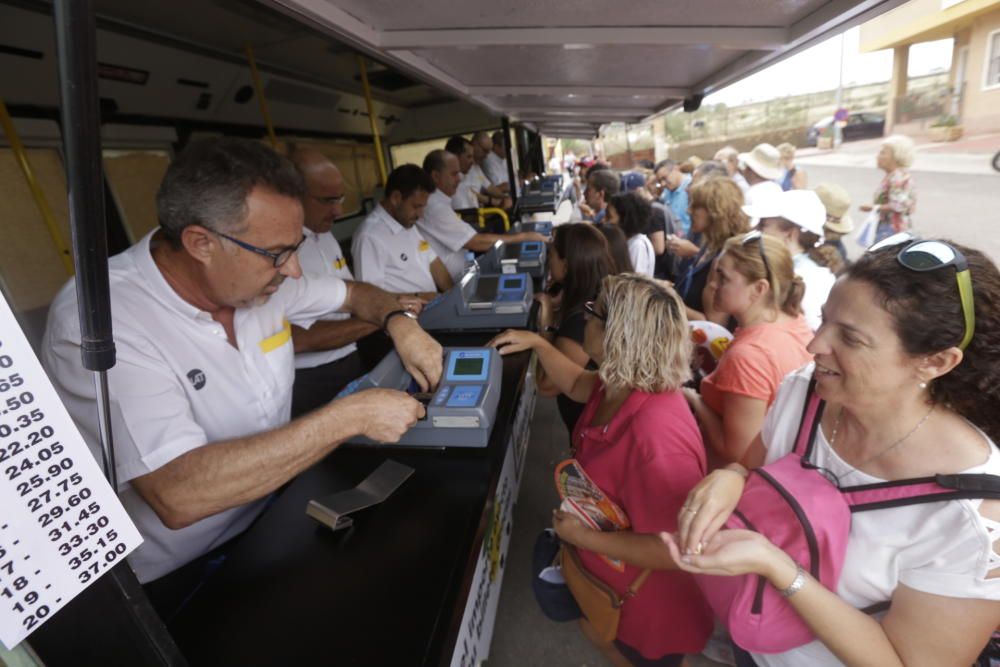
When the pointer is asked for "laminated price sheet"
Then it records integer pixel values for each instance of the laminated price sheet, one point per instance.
(61, 524)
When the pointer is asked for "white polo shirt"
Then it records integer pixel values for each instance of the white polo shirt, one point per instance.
(472, 182)
(446, 232)
(388, 255)
(178, 385)
(496, 169)
(320, 255)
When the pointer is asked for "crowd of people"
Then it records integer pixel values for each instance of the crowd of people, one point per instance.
(898, 345)
(250, 320)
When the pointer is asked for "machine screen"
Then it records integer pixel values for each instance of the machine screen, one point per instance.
(468, 366)
(513, 283)
(464, 367)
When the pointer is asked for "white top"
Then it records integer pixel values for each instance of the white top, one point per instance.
(819, 281)
(761, 192)
(178, 385)
(474, 181)
(320, 255)
(640, 250)
(939, 548)
(388, 255)
(446, 232)
(496, 169)
(741, 181)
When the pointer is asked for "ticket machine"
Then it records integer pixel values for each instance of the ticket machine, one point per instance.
(524, 257)
(481, 301)
(460, 412)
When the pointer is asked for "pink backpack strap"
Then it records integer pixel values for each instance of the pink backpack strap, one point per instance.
(812, 413)
(938, 488)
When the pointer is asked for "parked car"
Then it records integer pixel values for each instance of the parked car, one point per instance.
(860, 125)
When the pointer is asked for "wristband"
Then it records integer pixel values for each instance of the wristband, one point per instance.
(797, 583)
(389, 316)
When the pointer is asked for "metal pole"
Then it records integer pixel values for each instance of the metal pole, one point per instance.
(76, 43)
(255, 75)
(628, 147)
(36, 190)
(511, 175)
(363, 69)
(837, 132)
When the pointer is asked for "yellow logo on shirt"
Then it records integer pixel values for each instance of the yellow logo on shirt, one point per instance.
(339, 263)
(424, 245)
(272, 343)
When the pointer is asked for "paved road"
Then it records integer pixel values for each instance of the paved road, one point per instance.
(962, 207)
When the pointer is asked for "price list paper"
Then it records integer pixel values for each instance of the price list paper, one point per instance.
(61, 524)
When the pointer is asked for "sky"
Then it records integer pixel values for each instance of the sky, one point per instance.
(815, 69)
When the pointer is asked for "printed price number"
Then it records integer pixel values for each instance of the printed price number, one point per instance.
(22, 421)
(12, 449)
(52, 471)
(77, 540)
(11, 381)
(46, 496)
(18, 401)
(67, 529)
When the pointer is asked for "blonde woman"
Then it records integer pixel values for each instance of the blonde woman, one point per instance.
(793, 178)
(895, 199)
(716, 207)
(639, 443)
(755, 284)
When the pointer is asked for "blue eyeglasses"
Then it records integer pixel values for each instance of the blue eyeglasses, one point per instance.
(279, 258)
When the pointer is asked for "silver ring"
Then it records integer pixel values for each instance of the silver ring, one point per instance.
(690, 510)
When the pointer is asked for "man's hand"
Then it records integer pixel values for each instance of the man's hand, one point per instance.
(422, 356)
(385, 414)
(534, 236)
(412, 302)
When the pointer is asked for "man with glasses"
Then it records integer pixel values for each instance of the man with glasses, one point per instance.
(201, 393)
(675, 192)
(326, 356)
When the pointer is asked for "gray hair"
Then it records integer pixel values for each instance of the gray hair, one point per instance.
(208, 183)
(903, 149)
(710, 169)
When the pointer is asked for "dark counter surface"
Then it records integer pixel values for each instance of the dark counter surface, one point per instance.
(389, 591)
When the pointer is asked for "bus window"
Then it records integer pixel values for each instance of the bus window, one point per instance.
(134, 177)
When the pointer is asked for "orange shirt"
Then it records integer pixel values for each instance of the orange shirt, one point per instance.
(757, 360)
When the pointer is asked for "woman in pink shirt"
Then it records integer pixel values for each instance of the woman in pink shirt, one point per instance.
(755, 283)
(639, 443)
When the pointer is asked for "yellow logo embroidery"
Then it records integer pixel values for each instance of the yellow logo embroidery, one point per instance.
(424, 245)
(272, 343)
(340, 263)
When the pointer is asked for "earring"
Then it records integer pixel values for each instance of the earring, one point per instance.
(922, 385)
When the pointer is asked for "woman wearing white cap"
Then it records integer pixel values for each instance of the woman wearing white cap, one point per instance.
(796, 218)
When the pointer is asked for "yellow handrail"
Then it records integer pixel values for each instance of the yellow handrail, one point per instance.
(36, 190)
(363, 69)
(260, 97)
(483, 212)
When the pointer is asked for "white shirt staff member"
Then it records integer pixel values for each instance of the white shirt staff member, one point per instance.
(389, 250)
(495, 163)
(326, 356)
(449, 235)
(468, 185)
(201, 393)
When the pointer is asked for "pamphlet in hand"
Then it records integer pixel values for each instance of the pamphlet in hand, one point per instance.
(582, 498)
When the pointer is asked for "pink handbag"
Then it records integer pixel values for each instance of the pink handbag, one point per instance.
(794, 505)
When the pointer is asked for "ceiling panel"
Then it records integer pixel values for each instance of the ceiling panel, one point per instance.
(612, 65)
(452, 14)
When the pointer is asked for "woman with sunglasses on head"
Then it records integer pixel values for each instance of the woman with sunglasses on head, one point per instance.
(639, 443)
(716, 214)
(754, 283)
(906, 363)
(578, 261)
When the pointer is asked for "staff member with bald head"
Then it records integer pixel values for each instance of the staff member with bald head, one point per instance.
(201, 393)
(448, 234)
(326, 357)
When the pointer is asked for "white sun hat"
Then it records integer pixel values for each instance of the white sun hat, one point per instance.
(765, 160)
(802, 208)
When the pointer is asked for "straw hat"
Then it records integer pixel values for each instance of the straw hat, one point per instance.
(837, 203)
(765, 160)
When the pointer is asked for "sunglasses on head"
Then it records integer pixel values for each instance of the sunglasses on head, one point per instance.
(759, 237)
(920, 255)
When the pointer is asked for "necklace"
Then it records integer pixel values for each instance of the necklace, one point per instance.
(836, 425)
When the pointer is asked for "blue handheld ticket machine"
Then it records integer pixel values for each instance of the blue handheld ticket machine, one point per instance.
(524, 257)
(460, 412)
(481, 302)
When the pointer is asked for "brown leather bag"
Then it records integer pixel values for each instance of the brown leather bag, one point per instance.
(600, 603)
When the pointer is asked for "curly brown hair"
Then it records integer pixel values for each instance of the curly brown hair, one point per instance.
(723, 201)
(927, 316)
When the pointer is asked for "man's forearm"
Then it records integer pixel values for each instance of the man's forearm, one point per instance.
(369, 303)
(229, 473)
(330, 334)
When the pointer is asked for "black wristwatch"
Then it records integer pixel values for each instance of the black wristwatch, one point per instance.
(389, 316)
